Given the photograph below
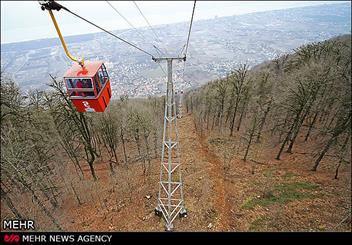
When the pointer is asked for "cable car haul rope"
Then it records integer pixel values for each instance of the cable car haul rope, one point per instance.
(88, 83)
(52, 5)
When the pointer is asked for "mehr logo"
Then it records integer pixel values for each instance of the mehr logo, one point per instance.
(12, 238)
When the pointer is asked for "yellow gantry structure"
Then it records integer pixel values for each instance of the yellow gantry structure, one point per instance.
(81, 61)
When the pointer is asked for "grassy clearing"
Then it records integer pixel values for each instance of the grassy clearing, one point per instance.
(297, 186)
(221, 141)
(257, 223)
(289, 175)
(282, 194)
(210, 214)
(268, 173)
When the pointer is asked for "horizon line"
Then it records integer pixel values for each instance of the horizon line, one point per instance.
(159, 25)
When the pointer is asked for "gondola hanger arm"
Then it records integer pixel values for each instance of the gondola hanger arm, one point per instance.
(51, 5)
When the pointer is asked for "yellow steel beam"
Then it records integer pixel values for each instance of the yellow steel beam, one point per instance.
(81, 61)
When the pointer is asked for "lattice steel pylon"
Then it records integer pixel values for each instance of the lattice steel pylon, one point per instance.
(170, 203)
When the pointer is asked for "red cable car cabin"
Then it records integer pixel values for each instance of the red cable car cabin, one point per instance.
(88, 87)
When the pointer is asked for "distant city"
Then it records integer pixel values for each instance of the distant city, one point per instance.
(217, 46)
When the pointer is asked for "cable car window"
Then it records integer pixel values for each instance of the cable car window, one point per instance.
(87, 83)
(69, 83)
(101, 77)
(104, 77)
(80, 87)
(97, 83)
(105, 73)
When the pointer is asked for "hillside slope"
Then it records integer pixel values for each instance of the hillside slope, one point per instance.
(264, 149)
(220, 195)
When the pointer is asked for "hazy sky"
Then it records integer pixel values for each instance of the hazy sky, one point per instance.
(24, 20)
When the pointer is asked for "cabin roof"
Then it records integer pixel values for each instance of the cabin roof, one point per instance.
(89, 69)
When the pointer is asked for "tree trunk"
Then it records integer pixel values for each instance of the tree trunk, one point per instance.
(213, 123)
(341, 156)
(115, 156)
(70, 150)
(75, 193)
(111, 166)
(262, 123)
(296, 132)
(55, 202)
(284, 126)
(311, 126)
(288, 134)
(9, 203)
(76, 163)
(123, 146)
(241, 116)
(147, 150)
(250, 138)
(191, 104)
(136, 138)
(155, 144)
(43, 188)
(221, 111)
(46, 211)
(337, 169)
(40, 204)
(233, 119)
(249, 144)
(228, 111)
(91, 167)
(322, 154)
(140, 154)
(208, 116)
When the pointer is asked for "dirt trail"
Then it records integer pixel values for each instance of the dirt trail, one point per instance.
(215, 171)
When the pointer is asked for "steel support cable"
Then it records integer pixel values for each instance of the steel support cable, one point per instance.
(183, 47)
(56, 6)
(125, 19)
(183, 75)
(190, 27)
(186, 49)
(141, 34)
(146, 20)
(131, 25)
(162, 69)
(160, 51)
(112, 34)
(151, 28)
